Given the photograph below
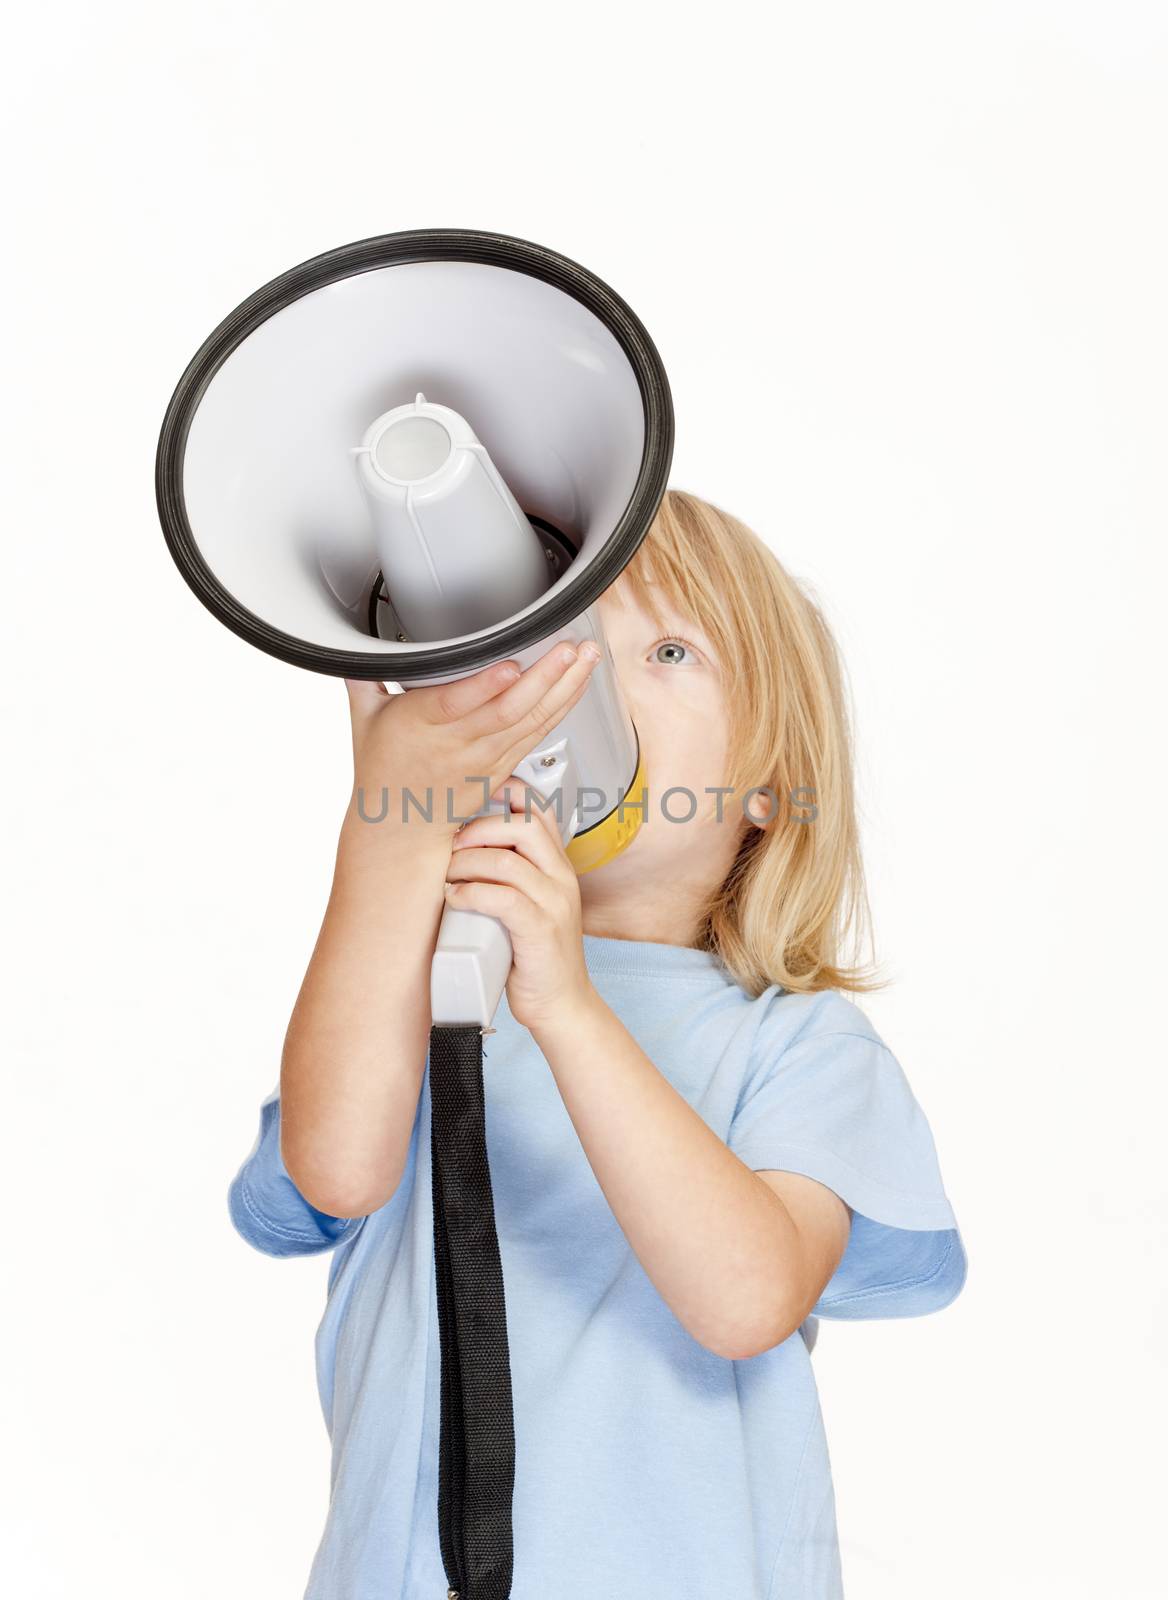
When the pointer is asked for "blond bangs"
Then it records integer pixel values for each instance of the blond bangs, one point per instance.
(793, 909)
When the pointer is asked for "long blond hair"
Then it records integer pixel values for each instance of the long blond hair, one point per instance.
(794, 906)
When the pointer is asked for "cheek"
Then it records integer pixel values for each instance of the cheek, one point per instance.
(684, 735)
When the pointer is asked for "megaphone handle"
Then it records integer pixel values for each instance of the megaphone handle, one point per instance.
(472, 959)
(473, 954)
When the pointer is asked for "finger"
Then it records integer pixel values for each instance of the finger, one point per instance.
(525, 801)
(527, 704)
(551, 714)
(515, 911)
(448, 702)
(525, 836)
(492, 865)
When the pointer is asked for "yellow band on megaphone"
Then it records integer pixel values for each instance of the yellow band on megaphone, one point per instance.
(607, 838)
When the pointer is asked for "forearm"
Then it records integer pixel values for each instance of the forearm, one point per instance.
(355, 1051)
(719, 1246)
(355, 1054)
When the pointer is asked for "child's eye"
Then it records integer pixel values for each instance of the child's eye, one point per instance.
(674, 652)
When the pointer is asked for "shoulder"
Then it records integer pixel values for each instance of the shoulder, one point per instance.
(824, 1095)
(824, 1025)
(821, 1052)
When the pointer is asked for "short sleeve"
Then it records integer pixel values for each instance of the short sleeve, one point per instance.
(266, 1207)
(837, 1107)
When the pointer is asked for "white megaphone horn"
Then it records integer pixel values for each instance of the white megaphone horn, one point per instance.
(413, 456)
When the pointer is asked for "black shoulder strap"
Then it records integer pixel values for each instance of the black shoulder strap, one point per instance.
(476, 1466)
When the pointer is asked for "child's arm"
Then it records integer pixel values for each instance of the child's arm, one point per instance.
(355, 1052)
(739, 1259)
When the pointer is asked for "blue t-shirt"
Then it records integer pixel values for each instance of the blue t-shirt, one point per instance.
(646, 1467)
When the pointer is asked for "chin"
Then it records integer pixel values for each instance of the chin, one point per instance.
(632, 863)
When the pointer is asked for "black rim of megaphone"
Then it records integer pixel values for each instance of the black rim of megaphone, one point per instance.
(367, 255)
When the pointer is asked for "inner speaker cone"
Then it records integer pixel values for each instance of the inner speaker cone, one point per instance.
(412, 449)
(559, 551)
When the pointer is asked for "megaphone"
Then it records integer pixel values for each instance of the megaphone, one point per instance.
(403, 460)
(484, 382)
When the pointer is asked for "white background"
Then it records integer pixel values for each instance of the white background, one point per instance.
(906, 267)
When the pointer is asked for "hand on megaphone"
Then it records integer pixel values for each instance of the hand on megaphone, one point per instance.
(513, 865)
(443, 742)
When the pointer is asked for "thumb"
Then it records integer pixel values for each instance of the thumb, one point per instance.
(364, 697)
